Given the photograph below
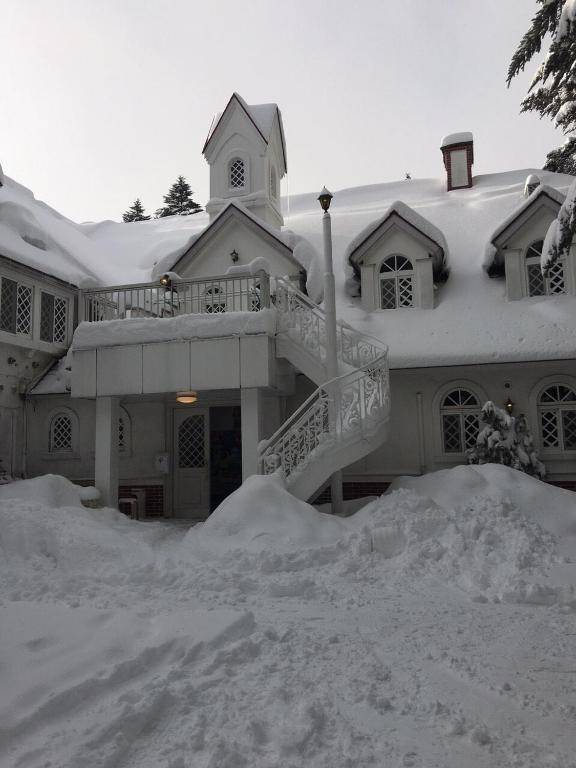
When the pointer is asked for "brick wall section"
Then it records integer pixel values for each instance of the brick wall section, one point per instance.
(469, 147)
(154, 498)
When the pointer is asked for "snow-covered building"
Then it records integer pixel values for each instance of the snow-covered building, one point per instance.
(166, 360)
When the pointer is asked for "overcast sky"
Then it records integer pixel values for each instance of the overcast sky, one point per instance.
(103, 101)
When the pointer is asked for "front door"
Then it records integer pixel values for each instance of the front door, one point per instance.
(191, 463)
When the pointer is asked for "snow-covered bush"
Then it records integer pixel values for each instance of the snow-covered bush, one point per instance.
(506, 440)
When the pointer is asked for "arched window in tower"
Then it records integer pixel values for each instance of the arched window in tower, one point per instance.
(396, 283)
(538, 285)
(237, 173)
(557, 417)
(460, 420)
(273, 182)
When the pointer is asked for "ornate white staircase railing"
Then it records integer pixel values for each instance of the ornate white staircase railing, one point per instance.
(345, 418)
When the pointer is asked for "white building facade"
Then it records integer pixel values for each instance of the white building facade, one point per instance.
(169, 392)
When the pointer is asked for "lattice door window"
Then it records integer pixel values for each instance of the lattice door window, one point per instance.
(555, 282)
(16, 307)
(61, 434)
(460, 420)
(191, 443)
(237, 174)
(557, 412)
(536, 286)
(396, 283)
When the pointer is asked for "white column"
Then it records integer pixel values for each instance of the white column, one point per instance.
(251, 419)
(106, 450)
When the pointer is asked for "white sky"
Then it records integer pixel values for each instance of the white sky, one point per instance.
(103, 101)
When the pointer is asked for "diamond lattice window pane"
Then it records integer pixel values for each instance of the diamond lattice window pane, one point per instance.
(565, 394)
(405, 291)
(24, 311)
(237, 173)
(555, 278)
(458, 398)
(388, 294)
(8, 302)
(121, 435)
(61, 434)
(569, 430)
(60, 320)
(536, 285)
(535, 250)
(47, 317)
(471, 429)
(550, 395)
(549, 426)
(451, 433)
(191, 453)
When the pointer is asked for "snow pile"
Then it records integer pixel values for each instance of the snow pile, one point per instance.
(52, 490)
(148, 329)
(421, 631)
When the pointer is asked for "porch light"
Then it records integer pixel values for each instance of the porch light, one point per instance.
(509, 405)
(165, 280)
(234, 256)
(187, 398)
(325, 198)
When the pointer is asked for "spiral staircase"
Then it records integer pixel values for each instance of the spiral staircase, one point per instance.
(345, 418)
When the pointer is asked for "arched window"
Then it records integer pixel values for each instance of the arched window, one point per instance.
(538, 285)
(273, 182)
(460, 420)
(557, 417)
(215, 299)
(124, 432)
(61, 433)
(237, 176)
(396, 283)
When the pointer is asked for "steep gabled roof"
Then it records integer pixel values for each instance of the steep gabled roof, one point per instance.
(262, 116)
(423, 229)
(542, 195)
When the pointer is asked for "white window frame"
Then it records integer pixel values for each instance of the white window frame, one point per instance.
(59, 300)
(20, 285)
(557, 408)
(439, 410)
(396, 277)
(231, 163)
(532, 258)
(58, 453)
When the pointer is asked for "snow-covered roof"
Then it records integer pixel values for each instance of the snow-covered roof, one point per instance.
(542, 190)
(411, 217)
(472, 321)
(463, 137)
(262, 115)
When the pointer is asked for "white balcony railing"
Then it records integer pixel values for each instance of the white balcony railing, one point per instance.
(213, 295)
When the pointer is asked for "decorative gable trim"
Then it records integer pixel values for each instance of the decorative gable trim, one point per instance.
(542, 197)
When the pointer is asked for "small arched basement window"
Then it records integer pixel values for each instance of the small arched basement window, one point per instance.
(237, 175)
(459, 420)
(557, 417)
(396, 283)
(538, 285)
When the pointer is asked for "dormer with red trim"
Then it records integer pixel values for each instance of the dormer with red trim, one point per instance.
(458, 153)
(246, 152)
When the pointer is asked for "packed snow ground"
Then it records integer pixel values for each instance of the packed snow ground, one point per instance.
(433, 628)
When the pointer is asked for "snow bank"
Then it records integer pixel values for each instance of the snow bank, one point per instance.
(263, 515)
(149, 329)
(51, 490)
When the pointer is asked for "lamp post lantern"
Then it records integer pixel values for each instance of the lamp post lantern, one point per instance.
(325, 198)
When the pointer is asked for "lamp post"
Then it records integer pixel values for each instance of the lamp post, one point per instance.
(325, 198)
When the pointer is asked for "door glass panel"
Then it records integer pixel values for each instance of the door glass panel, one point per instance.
(191, 452)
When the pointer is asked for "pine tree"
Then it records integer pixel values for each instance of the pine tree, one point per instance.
(505, 440)
(178, 201)
(135, 212)
(552, 92)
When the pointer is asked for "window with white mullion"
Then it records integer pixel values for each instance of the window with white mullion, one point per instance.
(53, 318)
(16, 301)
(557, 417)
(539, 285)
(460, 421)
(396, 283)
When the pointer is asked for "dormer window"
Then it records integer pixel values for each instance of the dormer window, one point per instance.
(273, 183)
(396, 283)
(537, 283)
(237, 173)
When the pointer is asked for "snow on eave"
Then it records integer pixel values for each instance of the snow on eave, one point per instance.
(491, 252)
(413, 219)
(260, 115)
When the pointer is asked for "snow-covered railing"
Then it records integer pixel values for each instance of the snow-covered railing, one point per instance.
(305, 323)
(346, 412)
(213, 295)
